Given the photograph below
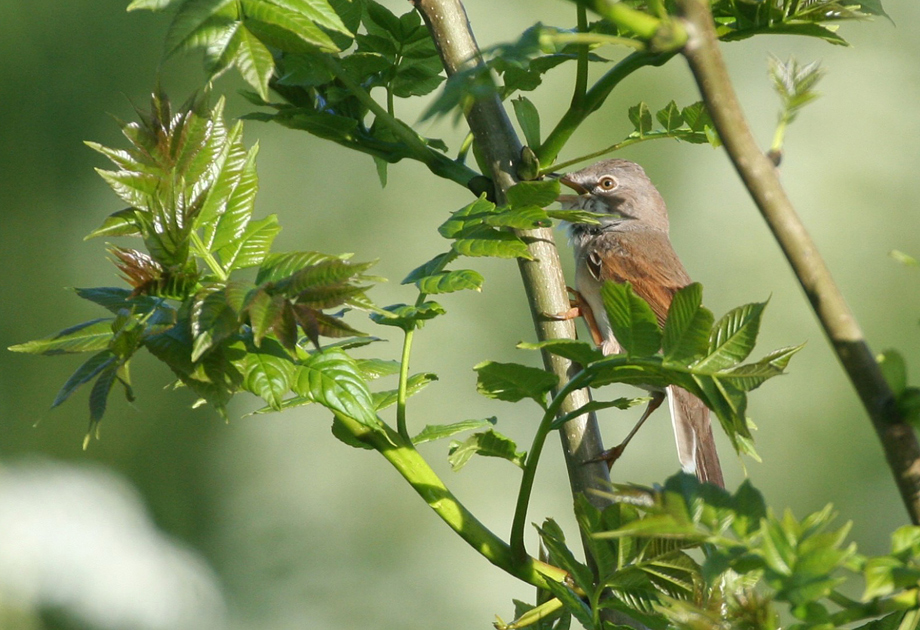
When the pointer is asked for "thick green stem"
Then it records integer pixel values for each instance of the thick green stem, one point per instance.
(581, 70)
(593, 99)
(762, 181)
(401, 395)
(413, 467)
(530, 466)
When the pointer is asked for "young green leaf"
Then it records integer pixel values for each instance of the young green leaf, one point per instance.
(268, 372)
(580, 352)
(415, 384)
(538, 193)
(641, 118)
(686, 330)
(332, 379)
(433, 432)
(486, 241)
(408, 317)
(488, 444)
(450, 281)
(91, 368)
(733, 337)
(670, 117)
(513, 382)
(632, 319)
(529, 119)
(93, 335)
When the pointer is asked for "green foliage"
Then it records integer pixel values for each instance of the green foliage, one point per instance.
(338, 68)
(191, 185)
(753, 562)
(690, 351)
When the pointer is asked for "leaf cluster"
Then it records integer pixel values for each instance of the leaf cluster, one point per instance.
(190, 185)
(752, 561)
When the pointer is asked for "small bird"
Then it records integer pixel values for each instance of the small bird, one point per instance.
(631, 244)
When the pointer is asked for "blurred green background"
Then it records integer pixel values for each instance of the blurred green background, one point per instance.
(270, 522)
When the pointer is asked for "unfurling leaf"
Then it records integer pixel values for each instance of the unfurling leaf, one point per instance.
(488, 444)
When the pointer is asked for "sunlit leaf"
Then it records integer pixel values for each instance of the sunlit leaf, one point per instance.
(332, 379)
(488, 444)
(632, 319)
(86, 337)
(733, 337)
(686, 330)
(267, 373)
(449, 281)
(512, 382)
(433, 432)
(415, 384)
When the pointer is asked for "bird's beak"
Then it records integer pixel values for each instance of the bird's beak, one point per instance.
(565, 181)
(567, 200)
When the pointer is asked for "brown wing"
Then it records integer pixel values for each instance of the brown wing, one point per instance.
(645, 259)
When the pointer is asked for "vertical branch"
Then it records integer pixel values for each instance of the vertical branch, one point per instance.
(762, 181)
(543, 279)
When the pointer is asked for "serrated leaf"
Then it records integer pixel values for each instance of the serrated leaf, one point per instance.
(93, 335)
(264, 311)
(733, 337)
(317, 11)
(277, 267)
(151, 5)
(488, 444)
(539, 193)
(332, 379)
(670, 117)
(512, 382)
(433, 266)
(192, 17)
(267, 373)
(485, 241)
(686, 330)
(450, 281)
(121, 223)
(632, 319)
(580, 352)
(212, 320)
(519, 218)
(251, 57)
(253, 246)
(641, 118)
(286, 29)
(377, 368)
(576, 216)
(529, 119)
(466, 218)
(433, 432)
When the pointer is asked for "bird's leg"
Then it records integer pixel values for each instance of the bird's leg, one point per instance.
(581, 308)
(611, 455)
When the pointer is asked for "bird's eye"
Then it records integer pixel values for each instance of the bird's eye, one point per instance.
(607, 183)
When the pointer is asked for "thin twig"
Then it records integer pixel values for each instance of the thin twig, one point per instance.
(762, 181)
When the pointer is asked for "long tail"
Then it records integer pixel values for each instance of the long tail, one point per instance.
(696, 448)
